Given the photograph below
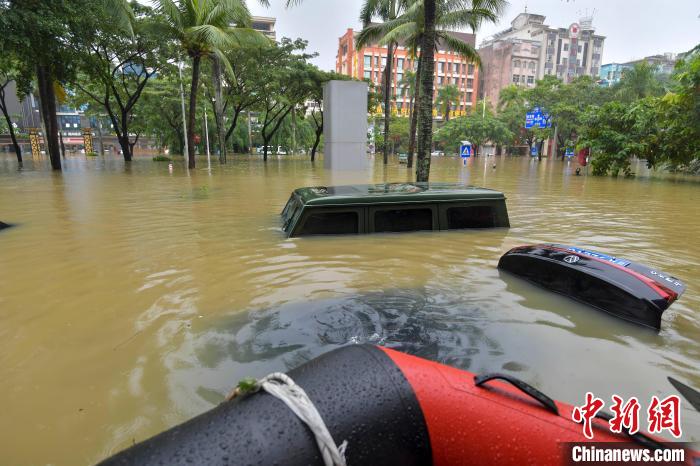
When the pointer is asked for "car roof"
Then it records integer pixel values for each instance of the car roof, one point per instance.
(392, 192)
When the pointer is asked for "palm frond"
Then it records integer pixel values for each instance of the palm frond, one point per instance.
(247, 37)
(405, 33)
(121, 13)
(472, 18)
(207, 37)
(172, 13)
(462, 48)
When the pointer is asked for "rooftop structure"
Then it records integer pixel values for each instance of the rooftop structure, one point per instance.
(530, 49)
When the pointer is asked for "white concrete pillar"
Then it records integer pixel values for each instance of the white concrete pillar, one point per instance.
(345, 125)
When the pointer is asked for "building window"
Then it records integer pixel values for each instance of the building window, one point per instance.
(566, 47)
(399, 64)
(516, 78)
(383, 62)
(532, 65)
(469, 98)
(442, 67)
(516, 64)
(368, 61)
(531, 80)
(470, 83)
(440, 79)
(523, 78)
(471, 69)
(455, 67)
(579, 49)
(368, 74)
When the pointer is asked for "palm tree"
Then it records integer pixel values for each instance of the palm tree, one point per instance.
(449, 15)
(203, 29)
(388, 10)
(639, 82)
(446, 97)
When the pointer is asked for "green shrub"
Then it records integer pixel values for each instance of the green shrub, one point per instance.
(91, 154)
(162, 158)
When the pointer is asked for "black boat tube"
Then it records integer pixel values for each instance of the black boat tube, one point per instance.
(362, 396)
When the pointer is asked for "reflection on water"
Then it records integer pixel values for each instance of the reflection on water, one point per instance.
(133, 299)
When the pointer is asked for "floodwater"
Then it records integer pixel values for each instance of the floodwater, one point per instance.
(134, 298)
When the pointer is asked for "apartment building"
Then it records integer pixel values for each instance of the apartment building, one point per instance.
(450, 68)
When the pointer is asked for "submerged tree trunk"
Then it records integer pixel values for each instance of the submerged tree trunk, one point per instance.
(414, 115)
(47, 98)
(11, 129)
(191, 117)
(63, 146)
(425, 101)
(219, 108)
(387, 99)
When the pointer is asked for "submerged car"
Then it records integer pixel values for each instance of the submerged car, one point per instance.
(625, 289)
(392, 207)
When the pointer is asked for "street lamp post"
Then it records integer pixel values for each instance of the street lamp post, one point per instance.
(206, 127)
(184, 123)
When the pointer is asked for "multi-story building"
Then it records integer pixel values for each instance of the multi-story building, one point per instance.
(530, 50)
(265, 25)
(611, 73)
(450, 68)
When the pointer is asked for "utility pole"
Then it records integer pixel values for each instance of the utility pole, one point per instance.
(250, 135)
(184, 122)
(206, 129)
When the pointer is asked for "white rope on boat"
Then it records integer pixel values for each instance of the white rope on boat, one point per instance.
(282, 387)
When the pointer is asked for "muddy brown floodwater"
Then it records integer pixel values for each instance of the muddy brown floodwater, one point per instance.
(132, 298)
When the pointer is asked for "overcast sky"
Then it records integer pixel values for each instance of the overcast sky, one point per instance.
(633, 28)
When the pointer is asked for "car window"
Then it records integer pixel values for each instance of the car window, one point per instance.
(478, 216)
(403, 220)
(330, 223)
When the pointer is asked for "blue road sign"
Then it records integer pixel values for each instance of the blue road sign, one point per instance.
(533, 151)
(569, 152)
(537, 118)
(465, 150)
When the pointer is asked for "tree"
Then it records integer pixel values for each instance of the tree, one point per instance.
(425, 102)
(160, 114)
(475, 129)
(446, 15)
(42, 34)
(8, 73)
(446, 97)
(387, 10)
(202, 27)
(638, 82)
(116, 67)
(286, 80)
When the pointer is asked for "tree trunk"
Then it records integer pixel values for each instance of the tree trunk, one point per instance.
(319, 132)
(191, 117)
(63, 146)
(124, 138)
(294, 131)
(47, 99)
(414, 115)
(11, 129)
(99, 135)
(425, 102)
(219, 109)
(387, 99)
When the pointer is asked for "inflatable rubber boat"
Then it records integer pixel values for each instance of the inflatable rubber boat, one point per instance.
(631, 291)
(391, 409)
